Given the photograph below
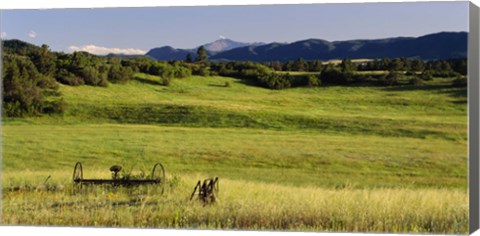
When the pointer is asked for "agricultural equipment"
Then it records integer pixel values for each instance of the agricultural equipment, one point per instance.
(206, 190)
(157, 177)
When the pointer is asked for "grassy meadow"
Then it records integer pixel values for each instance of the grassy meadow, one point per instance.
(330, 158)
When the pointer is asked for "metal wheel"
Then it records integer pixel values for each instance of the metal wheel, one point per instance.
(216, 187)
(158, 173)
(78, 172)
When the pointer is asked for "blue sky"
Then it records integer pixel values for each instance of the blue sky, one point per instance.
(136, 30)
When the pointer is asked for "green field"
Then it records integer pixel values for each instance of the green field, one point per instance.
(330, 158)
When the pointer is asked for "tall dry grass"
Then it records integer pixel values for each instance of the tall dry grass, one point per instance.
(244, 205)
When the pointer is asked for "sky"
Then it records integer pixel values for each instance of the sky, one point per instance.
(136, 30)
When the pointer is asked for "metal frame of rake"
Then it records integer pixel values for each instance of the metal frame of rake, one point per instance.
(157, 177)
(206, 190)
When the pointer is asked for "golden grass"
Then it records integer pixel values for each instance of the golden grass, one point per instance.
(244, 205)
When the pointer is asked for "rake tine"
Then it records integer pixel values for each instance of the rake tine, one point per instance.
(195, 189)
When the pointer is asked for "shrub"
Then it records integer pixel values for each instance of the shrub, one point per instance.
(68, 78)
(426, 75)
(23, 86)
(202, 71)
(72, 81)
(224, 71)
(166, 81)
(444, 73)
(59, 106)
(415, 81)
(313, 81)
(120, 74)
(335, 76)
(460, 81)
(275, 81)
(409, 73)
(182, 72)
(391, 78)
(359, 78)
(93, 77)
(13, 109)
(241, 70)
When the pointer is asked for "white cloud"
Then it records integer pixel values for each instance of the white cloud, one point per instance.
(222, 37)
(3, 35)
(32, 34)
(98, 50)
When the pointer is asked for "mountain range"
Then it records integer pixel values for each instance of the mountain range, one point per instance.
(166, 53)
(225, 44)
(442, 45)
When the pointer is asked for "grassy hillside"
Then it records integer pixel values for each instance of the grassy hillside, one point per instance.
(333, 138)
(396, 133)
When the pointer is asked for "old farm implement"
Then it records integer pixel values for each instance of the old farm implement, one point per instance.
(206, 190)
(157, 177)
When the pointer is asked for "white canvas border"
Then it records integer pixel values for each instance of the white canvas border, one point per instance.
(474, 115)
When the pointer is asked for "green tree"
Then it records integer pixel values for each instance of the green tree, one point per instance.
(44, 60)
(299, 65)
(415, 80)
(426, 75)
(79, 60)
(391, 78)
(315, 66)
(445, 66)
(201, 55)
(93, 77)
(120, 74)
(436, 66)
(188, 58)
(397, 64)
(23, 86)
(460, 81)
(460, 67)
(347, 65)
(276, 65)
(384, 64)
(288, 66)
(313, 81)
(417, 65)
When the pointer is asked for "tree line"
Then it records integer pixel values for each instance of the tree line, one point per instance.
(31, 74)
(439, 68)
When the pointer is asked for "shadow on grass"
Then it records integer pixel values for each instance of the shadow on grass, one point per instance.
(457, 92)
(147, 81)
(88, 205)
(402, 88)
(460, 102)
(249, 82)
(217, 85)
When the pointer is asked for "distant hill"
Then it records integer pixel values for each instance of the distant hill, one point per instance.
(166, 53)
(443, 45)
(225, 44)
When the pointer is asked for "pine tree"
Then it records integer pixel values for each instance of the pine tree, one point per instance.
(188, 58)
(201, 55)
